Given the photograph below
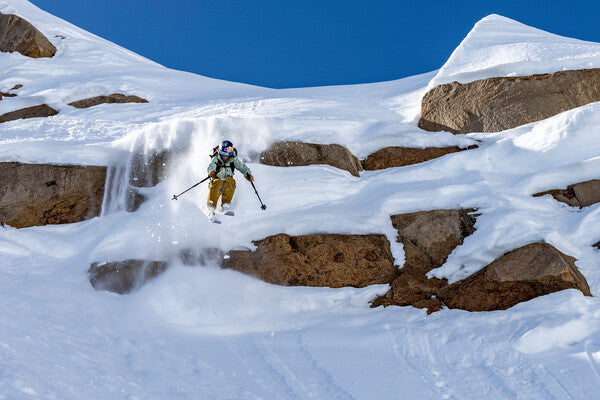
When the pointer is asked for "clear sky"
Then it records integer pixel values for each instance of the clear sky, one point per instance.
(289, 43)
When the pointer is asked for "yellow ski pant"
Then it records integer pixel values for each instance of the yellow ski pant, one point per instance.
(217, 188)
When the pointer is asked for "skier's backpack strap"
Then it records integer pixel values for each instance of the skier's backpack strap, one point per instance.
(220, 164)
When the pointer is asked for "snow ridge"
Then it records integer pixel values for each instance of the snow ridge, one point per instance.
(500, 46)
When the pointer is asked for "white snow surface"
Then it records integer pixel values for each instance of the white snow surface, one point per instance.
(199, 332)
(500, 46)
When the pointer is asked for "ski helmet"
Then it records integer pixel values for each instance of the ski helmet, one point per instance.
(226, 148)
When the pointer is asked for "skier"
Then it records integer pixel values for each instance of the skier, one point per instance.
(220, 170)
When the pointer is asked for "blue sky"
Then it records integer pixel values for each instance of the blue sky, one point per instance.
(285, 43)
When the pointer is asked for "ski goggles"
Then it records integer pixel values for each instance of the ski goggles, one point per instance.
(226, 151)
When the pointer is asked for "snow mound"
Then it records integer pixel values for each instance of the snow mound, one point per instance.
(500, 46)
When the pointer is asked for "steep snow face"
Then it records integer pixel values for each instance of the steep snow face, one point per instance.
(86, 66)
(209, 333)
(500, 46)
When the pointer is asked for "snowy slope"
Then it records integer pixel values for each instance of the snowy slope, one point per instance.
(209, 333)
(500, 46)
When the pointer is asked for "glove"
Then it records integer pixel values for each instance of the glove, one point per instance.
(250, 178)
(212, 174)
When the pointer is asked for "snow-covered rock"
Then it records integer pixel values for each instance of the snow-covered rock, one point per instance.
(391, 157)
(110, 99)
(582, 194)
(318, 260)
(124, 276)
(428, 238)
(498, 104)
(40, 194)
(520, 275)
(294, 154)
(17, 34)
(39, 111)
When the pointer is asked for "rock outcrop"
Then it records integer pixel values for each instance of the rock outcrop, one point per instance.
(580, 195)
(124, 276)
(428, 238)
(520, 275)
(292, 154)
(496, 104)
(7, 94)
(401, 156)
(145, 170)
(110, 99)
(40, 194)
(17, 34)
(318, 260)
(43, 110)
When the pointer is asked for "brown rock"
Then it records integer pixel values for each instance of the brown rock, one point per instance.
(520, 275)
(124, 276)
(42, 110)
(588, 192)
(597, 245)
(140, 170)
(580, 195)
(16, 34)
(318, 260)
(292, 154)
(434, 234)
(2, 94)
(428, 238)
(40, 194)
(401, 156)
(110, 99)
(496, 104)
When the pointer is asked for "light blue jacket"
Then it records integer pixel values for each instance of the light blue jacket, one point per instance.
(226, 169)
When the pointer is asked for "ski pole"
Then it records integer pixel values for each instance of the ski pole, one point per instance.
(262, 206)
(175, 196)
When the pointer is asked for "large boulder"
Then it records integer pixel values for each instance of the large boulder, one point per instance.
(401, 156)
(124, 276)
(520, 275)
(110, 99)
(292, 154)
(428, 238)
(580, 195)
(496, 104)
(40, 194)
(43, 110)
(17, 34)
(318, 260)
